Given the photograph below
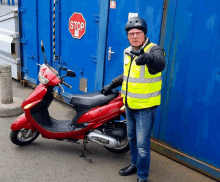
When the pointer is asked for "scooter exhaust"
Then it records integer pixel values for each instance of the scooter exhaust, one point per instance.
(102, 139)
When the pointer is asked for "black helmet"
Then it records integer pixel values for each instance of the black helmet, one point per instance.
(136, 22)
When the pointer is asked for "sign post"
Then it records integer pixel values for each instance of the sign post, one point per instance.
(77, 25)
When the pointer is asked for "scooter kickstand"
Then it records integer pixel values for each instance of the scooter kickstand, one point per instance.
(83, 152)
(84, 149)
(84, 144)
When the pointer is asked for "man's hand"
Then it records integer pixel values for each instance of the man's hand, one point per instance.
(106, 90)
(145, 59)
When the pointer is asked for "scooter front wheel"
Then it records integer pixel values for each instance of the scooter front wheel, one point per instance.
(122, 148)
(23, 136)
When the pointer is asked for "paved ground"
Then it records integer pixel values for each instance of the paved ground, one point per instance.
(50, 160)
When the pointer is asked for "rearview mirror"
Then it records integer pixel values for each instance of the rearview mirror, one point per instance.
(42, 46)
(70, 73)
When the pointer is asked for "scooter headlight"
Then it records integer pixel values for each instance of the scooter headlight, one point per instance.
(42, 79)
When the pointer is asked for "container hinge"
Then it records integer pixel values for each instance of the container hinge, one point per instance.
(22, 9)
(96, 18)
(81, 72)
(56, 57)
(23, 41)
(25, 70)
(94, 59)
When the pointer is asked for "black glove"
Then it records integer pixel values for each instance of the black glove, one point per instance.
(106, 90)
(145, 59)
(116, 82)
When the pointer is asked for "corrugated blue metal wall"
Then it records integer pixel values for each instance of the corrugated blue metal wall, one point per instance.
(37, 20)
(79, 55)
(189, 116)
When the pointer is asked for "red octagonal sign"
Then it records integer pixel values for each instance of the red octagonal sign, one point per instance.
(77, 25)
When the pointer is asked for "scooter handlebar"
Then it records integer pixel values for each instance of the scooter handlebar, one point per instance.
(66, 84)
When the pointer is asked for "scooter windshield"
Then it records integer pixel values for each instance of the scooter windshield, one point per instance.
(48, 75)
(53, 70)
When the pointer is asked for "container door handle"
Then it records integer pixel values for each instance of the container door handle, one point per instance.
(110, 53)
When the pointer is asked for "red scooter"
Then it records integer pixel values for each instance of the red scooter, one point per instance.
(95, 119)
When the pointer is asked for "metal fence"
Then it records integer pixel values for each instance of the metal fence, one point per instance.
(9, 2)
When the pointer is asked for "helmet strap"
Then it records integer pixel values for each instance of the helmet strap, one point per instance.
(143, 44)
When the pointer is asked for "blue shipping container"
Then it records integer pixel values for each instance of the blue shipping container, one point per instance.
(188, 120)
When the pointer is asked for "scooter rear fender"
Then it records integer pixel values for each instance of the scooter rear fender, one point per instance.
(22, 122)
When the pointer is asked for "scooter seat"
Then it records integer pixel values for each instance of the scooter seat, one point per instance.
(93, 99)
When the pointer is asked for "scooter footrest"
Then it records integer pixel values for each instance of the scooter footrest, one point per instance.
(77, 126)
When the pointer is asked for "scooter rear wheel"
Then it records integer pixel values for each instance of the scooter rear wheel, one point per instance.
(23, 136)
(122, 148)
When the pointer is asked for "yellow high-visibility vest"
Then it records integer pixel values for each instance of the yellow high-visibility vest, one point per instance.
(142, 89)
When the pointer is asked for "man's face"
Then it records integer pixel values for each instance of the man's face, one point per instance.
(136, 37)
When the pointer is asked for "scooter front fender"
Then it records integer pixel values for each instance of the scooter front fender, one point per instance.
(22, 122)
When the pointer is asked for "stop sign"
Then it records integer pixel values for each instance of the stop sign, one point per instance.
(77, 25)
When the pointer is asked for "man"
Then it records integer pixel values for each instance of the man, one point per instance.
(141, 91)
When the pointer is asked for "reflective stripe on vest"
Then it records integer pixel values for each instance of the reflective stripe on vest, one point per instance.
(144, 89)
(143, 80)
(141, 96)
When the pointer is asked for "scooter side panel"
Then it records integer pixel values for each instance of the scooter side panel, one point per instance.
(35, 96)
(21, 122)
(100, 115)
(74, 135)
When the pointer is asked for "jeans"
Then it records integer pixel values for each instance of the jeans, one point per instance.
(139, 128)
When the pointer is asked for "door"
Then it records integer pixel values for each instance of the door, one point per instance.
(77, 53)
(117, 40)
(27, 9)
(36, 25)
